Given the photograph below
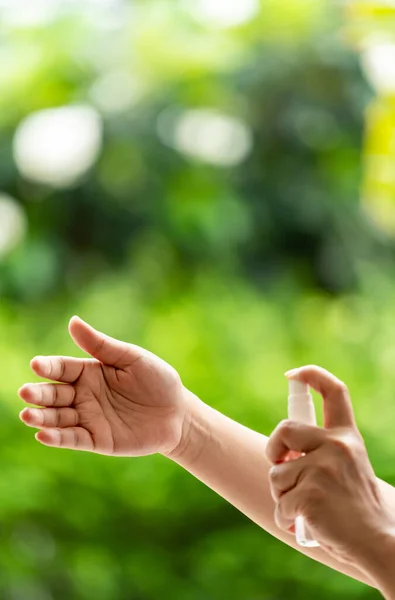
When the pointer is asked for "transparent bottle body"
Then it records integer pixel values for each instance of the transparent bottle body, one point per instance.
(301, 409)
(303, 536)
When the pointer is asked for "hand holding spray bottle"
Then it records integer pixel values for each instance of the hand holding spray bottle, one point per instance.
(301, 409)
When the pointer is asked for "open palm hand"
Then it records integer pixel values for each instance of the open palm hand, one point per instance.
(123, 401)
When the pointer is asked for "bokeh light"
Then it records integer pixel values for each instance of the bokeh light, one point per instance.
(13, 224)
(207, 135)
(222, 13)
(18, 13)
(378, 61)
(32, 13)
(58, 146)
(116, 92)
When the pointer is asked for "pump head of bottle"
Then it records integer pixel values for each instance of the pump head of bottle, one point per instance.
(298, 387)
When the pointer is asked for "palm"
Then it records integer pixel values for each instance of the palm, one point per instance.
(126, 401)
(130, 412)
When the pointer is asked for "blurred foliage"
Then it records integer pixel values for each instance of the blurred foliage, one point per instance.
(233, 273)
(371, 30)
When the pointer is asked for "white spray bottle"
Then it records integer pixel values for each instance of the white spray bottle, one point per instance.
(301, 409)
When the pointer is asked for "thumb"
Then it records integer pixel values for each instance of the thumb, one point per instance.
(338, 410)
(102, 347)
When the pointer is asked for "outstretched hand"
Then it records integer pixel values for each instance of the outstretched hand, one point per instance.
(122, 401)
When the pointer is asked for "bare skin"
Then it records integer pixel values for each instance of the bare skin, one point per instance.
(125, 401)
(332, 484)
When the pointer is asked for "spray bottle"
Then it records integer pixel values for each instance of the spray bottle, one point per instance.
(301, 409)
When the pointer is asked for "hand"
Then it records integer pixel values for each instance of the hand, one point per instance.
(125, 401)
(333, 486)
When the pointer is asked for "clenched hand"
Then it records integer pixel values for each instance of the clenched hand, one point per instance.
(333, 485)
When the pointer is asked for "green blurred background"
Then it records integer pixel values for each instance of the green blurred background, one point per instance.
(215, 181)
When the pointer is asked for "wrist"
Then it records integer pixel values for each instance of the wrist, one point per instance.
(195, 431)
(379, 564)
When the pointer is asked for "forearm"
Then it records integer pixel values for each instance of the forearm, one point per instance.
(230, 459)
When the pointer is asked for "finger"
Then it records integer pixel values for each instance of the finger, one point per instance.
(58, 368)
(284, 477)
(289, 507)
(49, 417)
(47, 394)
(72, 438)
(338, 411)
(282, 522)
(102, 347)
(307, 500)
(290, 435)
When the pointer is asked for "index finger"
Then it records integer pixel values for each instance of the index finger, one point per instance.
(338, 410)
(292, 436)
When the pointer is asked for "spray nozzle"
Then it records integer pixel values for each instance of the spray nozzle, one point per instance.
(298, 387)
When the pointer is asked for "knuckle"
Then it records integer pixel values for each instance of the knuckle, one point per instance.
(62, 367)
(280, 433)
(307, 501)
(340, 445)
(285, 426)
(356, 444)
(274, 475)
(341, 388)
(346, 444)
(321, 473)
(44, 414)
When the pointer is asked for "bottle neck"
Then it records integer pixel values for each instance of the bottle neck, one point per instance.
(301, 409)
